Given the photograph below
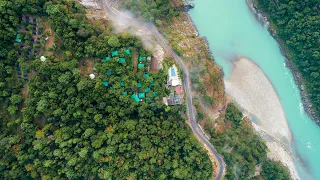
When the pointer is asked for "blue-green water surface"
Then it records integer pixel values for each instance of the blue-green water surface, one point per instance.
(233, 31)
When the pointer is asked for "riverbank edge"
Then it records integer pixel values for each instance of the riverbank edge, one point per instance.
(305, 96)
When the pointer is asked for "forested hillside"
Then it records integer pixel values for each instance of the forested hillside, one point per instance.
(70, 126)
(154, 11)
(297, 23)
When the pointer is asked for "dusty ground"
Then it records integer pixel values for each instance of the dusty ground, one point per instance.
(253, 91)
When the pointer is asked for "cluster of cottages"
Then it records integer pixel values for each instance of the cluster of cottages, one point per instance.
(141, 95)
(174, 83)
(28, 20)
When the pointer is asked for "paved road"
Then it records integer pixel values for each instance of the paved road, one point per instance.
(191, 111)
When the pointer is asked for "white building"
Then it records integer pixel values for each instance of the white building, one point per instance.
(43, 59)
(92, 76)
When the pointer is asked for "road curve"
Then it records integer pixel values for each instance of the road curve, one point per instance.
(194, 126)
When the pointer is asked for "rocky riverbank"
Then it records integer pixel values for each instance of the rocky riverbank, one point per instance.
(263, 19)
(263, 103)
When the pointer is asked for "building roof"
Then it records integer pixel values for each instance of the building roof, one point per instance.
(114, 53)
(142, 58)
(127, 51)
(178, 90)
(121, 83)
(135, 98)
(147, 90)
(108, 72)
(124, 93)
(122, 60)
(139, 85)
(92, 76)
(105, 83)
(140, 65)
(142, 95)
(146, 75)
(106, 59)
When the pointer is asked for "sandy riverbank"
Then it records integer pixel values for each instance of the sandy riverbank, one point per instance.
(253, 91)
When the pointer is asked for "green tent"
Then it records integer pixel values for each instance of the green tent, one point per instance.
(106, 59)
(140, 66)
(114, 53)
(105, 83)
(142, 95)
(121, 60)
(142, 58)
(135, 98)
(108, 72)
(139, 85)
(121, 83)
(146, 75)
(147, 90)
(127, 52)
(18, 38)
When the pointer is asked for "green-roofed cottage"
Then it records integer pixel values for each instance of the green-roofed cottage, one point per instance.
(142, 95)
(124, 93)
(108, 72)
(122, 60)
(114, 53)
(139, 85)
(142, 58)
(121, 83)
(149, 101)
(105, 83)
(18, 38)
(128, 52)
(135, 98)
(147, 90)
(106, 59)
(140, 66)
(146, 75)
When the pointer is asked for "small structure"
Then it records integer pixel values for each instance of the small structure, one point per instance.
(139, 85)
(149, 58)
(105, 83)
(147, 90)
(140, 65)
(124, 93)
(146, 75)
(108, 72)
(142, 58)
(142, 95)
(106, 59)
(114, 53)
(18, 38)
(122, 84)
(92, 76)
(121, 60)
(43, 59)
(127, 51)
(135, 98)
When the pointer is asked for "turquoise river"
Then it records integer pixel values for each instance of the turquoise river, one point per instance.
(233, 31)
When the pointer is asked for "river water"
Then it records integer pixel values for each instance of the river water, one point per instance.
(233, 31)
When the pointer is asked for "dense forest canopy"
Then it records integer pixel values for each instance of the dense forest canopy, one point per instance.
(298, 24)
(71, 126)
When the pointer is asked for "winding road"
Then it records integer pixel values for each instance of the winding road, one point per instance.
(191, 110)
